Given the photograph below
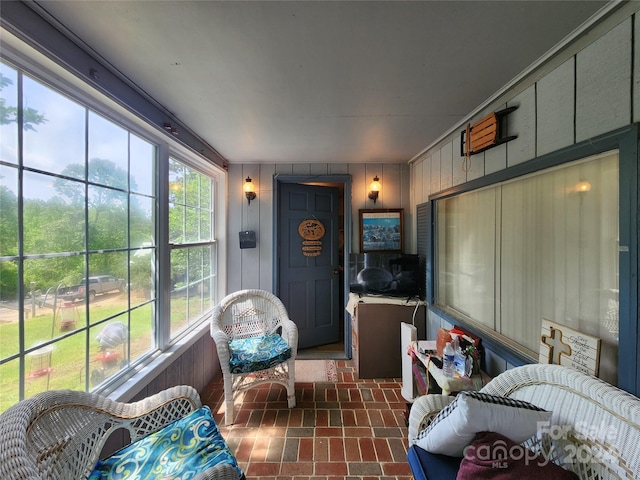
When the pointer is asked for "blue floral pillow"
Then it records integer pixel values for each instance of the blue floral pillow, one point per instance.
(182, 449)
(257, 353)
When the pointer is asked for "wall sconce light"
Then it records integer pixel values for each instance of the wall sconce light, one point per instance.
(249, 190)
(583, 187)
(374, 189)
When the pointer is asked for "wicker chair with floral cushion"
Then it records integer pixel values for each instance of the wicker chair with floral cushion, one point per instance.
(257, 343)
(60, 434)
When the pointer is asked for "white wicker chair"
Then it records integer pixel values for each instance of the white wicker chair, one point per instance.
(596, 430)
(253, 313)
(60, 434)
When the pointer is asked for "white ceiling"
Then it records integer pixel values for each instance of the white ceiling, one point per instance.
(311, 81)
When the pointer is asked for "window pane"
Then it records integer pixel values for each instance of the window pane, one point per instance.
(176, 182)
(9, 308)
(8, 211)
(54, 140)
(108, 349)
(107, 285)
(466, 254)
(108, 153)
(141, 331)
(142, 166)
(141, 215)
(60, 306)
(9, 384)
(141, 271)
(68, 360)
(9, 111)
(108, 211)
(53, 214)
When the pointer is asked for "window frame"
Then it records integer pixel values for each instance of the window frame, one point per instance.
(626, 141)
(125, 386)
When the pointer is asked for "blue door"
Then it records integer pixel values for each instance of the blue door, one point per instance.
(308, 261)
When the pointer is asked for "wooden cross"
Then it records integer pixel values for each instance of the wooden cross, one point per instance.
(556, 346)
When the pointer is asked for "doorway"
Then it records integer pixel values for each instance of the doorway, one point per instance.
(311, 247)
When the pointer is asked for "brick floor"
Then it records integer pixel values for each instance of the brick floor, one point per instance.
(350, 430)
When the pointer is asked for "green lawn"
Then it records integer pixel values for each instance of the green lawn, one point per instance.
(67, 359)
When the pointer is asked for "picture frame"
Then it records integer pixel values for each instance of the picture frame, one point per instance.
(382, 230)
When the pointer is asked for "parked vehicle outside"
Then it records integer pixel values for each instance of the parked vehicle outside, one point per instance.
(97, 285)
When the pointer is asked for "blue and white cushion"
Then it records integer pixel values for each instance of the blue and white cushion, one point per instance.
(257, 353)
(181, 450)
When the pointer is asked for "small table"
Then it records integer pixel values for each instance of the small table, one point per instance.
(450, 384)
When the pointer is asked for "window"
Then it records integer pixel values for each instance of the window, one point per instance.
(192, 246)
(539, 246)
(81, 245)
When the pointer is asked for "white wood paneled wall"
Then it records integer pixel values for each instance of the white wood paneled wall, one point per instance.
(587, 93)
(253, 267)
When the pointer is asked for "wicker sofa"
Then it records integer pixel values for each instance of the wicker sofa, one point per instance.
(594, 429)
(60, 434)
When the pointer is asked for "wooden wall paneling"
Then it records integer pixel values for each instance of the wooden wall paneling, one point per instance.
(301, 169)
(495, 159)
(266, 232)
(338, 169)
(416, 183)
(319, 169)
(391, 182)
(173, 374)
(435, 171)
(522, 123)
(236, 203)
(446, 166)
(459, 174)
(636, 69)
(477, 167)
(187, 370)
(359, 200)
(250, 257)
(426, 177)
(555, 107)
(284, 168)
(199, 378)
(603, 84)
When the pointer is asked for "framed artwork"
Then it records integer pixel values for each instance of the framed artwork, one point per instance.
(381, 230)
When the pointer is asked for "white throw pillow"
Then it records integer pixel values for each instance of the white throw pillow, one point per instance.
(471, 412)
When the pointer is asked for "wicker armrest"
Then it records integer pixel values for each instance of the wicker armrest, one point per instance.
(423, 410)
(59, 434)
(290, 334)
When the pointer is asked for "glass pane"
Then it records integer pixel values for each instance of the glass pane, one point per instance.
(107, 285)
(176, 223)
(205, 193)
(68, 360)
(108, 215)
(192, 233)
(141, 331)
(53, 214)
(192, 180)
(9, 112)
(142, 166)
(59, 297)
(205, 226)
(108, 153)
(179, 293)
(54, 138)
(108, 347)
(466, 254)
(10, 308)
(176, 182)
(8, 211)
(142, 221)
(9, 384)
(141, 270)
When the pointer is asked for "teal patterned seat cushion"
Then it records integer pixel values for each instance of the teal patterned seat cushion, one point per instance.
(257, 353)
(181, 450)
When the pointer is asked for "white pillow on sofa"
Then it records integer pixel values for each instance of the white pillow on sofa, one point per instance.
(471, 412)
